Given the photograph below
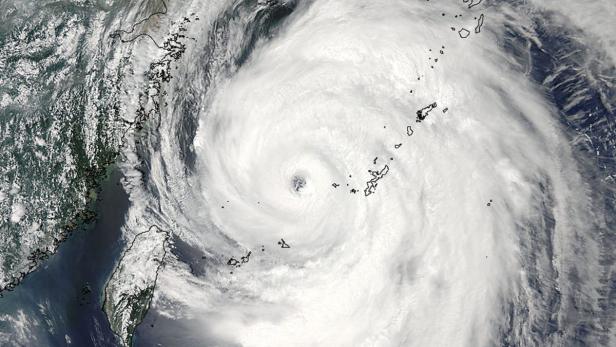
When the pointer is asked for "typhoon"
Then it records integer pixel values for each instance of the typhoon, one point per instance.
(351, 173)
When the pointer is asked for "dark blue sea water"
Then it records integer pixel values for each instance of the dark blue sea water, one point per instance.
(579, 86)
(64, 296)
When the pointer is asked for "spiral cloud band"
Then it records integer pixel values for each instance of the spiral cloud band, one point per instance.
(368, 173)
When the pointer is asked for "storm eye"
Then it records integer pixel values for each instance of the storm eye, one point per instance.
(298, 183)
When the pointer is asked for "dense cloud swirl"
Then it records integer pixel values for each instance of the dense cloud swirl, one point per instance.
(471, 222)
(308, 173)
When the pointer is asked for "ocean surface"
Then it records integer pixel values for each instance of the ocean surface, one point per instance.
(60, 303)
(494, 220)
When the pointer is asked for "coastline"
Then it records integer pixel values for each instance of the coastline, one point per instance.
(66, 291)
